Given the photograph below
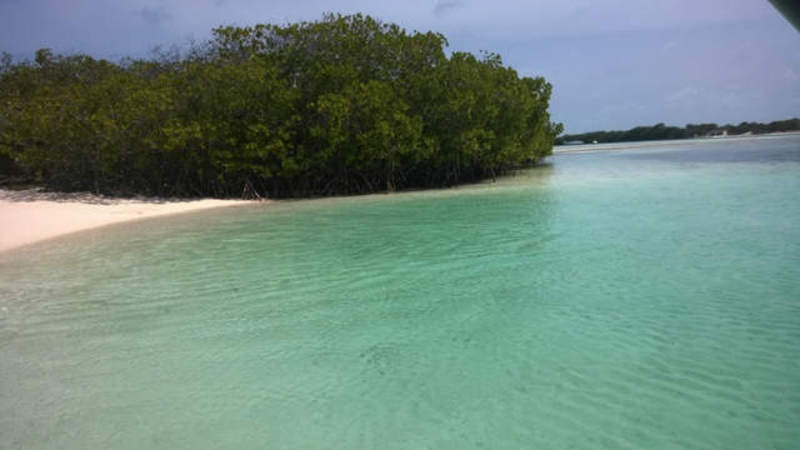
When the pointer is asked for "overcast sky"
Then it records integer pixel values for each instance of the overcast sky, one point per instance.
(614, 64)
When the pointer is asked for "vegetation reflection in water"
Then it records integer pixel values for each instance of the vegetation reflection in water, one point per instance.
(638, 299)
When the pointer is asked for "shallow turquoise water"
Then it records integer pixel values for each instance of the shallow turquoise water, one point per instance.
(631, 299)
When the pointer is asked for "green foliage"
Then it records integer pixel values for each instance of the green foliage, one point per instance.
(347, 104)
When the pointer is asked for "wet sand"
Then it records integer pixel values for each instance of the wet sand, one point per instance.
(30, 216)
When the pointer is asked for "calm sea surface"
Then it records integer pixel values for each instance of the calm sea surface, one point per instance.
(640, 298)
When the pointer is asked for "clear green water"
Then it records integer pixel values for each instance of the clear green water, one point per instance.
(632, 299)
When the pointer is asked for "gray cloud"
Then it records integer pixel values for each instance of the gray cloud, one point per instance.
(443, 7)
(154, 16)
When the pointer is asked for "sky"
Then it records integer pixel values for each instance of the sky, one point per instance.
(614, 64)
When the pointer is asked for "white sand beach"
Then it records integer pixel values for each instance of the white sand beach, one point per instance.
(669, 143)
(30, 216)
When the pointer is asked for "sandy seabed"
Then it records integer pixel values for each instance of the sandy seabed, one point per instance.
(30, 216)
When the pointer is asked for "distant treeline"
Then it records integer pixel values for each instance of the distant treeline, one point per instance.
(347, 104)
(660, 132)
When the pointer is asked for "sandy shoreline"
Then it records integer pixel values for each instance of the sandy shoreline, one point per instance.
(635, 145)
(31, 216)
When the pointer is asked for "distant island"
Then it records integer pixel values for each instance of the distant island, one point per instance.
(343, 105)
(662, 132)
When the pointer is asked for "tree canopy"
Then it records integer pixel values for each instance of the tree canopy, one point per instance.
(346, 104)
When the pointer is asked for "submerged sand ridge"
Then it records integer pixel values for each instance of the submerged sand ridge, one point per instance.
(32, 215)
